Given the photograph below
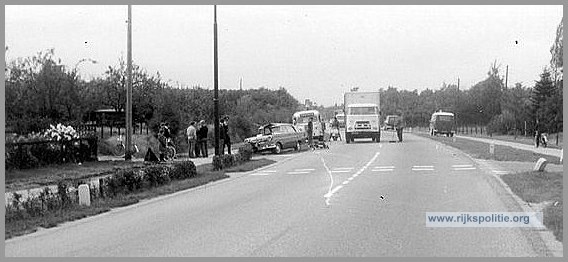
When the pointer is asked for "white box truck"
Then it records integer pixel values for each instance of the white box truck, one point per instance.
(362, 115)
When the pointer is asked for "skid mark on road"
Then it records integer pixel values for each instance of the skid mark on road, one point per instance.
(337, 188)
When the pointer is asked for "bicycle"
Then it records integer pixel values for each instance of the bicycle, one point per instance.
(120, 148)
(171, 152)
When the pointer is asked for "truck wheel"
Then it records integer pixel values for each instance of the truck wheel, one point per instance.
(347, 138)
(378, 139)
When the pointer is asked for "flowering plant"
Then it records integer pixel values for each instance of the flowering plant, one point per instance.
(61, 132)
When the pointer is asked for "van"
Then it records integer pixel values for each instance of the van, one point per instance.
(442, 123)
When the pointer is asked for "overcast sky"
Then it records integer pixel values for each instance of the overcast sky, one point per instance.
(315, 52)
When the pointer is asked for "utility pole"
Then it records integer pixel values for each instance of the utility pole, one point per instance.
(128, 151)
(506, 77)
(241, 84)
(216, 82)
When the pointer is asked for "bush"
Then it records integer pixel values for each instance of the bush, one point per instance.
(225, 161)
(157, 175)
(246, 152)
(132, 181)
(183, 170)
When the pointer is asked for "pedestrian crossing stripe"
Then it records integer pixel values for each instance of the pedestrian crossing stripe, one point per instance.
(302, 170)
(298, 172)
(458, 166)
(464, 168)
(343, 168)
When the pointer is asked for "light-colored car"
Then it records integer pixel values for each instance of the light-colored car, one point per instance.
(275, 137)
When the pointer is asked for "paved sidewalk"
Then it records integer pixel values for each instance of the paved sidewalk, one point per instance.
(540, 150)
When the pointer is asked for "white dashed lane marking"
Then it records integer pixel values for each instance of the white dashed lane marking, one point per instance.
(383, 169)
(423, 168)
(298, 172)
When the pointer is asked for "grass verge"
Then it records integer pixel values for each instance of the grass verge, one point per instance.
(205, 173)
(538, 187)
(480, 150)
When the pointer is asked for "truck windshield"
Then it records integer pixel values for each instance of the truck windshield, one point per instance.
(446, 118)
(362, 110)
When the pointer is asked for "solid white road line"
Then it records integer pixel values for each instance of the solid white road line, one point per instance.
(260, 174)
(382, 170)
(306, 169)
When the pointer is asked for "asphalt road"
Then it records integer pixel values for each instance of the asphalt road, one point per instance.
(351, 200)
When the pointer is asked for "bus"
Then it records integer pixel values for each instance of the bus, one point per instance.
(300, 120)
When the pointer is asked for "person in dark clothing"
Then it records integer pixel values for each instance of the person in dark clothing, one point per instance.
(227, 137)
(202, 136)
(162, 144)
(310, 133)
(399, 126)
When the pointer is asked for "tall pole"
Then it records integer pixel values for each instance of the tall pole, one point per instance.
(128, 151)
(216, 82)
(506, 76)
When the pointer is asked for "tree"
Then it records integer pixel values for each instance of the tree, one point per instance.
(543, 110)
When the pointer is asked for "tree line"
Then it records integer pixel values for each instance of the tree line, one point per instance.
(41, 91)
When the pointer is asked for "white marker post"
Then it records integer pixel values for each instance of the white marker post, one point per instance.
(84, 195)
(492, 148)
(561, 155)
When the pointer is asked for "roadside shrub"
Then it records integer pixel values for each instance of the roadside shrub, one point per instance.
(131, 180)
(225, 161)
(183, 170)
(62, 194)
(157, 175)
(246, 152)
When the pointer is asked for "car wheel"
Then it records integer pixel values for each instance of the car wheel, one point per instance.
(278, 148)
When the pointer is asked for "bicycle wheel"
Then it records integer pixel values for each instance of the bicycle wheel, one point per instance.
(170, 153)
(119, 150)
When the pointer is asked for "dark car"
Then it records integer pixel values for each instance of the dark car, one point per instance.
(276, 137)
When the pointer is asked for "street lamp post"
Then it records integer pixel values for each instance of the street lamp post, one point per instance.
(128, 151)
(216, 82)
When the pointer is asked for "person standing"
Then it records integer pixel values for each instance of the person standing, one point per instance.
(227, 138)
(399, 126)
(197, 139)
(191, 139)
(310, 133)
(162, 144)
(335, 127)
(202, 135)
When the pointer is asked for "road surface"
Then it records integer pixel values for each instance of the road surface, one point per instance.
(351, 200)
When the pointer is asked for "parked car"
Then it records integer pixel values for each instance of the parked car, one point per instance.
(275, 137)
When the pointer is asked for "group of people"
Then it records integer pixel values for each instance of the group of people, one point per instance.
(197, 138)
